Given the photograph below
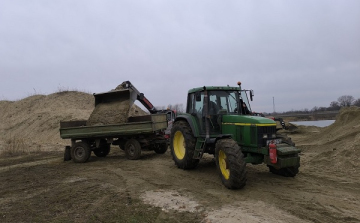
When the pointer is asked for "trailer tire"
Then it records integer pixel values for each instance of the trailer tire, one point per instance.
(285, 172)
(183, 146)
(230, 163)
(132, 149)
(103, 150)
(161, 148)
(80, 152)
(67, 153)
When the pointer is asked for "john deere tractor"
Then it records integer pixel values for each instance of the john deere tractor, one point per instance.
(218, 121)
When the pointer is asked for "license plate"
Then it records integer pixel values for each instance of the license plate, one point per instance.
(276, 141)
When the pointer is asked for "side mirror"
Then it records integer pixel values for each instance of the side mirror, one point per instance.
(251, 94)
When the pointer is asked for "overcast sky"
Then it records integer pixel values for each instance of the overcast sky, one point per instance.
(301, 53)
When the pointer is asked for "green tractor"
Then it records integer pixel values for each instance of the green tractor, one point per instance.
(218, 121)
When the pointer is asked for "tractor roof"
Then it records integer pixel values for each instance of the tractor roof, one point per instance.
(214, 88)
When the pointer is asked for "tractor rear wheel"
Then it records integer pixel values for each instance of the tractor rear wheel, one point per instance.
(132, 149)
(285, 172)
(80, 152)
(183, 145)
(230, 163)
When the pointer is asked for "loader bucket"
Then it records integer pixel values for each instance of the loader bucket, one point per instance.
(112, 107)
(116, 95)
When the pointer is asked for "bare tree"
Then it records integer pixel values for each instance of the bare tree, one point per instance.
(314, 109)
(357, 102)
(334, 105)
(178, 108)
(346, 100)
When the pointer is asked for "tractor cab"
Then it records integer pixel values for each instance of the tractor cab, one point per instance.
(208, 105)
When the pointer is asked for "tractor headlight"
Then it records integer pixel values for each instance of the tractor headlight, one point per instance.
(265, 136)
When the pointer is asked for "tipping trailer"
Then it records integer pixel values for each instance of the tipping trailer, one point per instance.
(132, 135)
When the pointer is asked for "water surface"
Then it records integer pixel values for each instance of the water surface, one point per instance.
(319, 123)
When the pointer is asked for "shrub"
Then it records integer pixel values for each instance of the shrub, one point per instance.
(15, 146)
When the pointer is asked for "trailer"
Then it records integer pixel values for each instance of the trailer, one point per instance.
(138, 133)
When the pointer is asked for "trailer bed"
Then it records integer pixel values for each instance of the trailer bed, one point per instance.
(135, 126)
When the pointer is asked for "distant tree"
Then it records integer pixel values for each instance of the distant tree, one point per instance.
(334, 106)
(314, 109)
(178, 108)
(346, 100)
(356, 102)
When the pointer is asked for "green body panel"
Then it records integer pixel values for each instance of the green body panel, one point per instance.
(243, 128)
(246, 119)
(154, 123)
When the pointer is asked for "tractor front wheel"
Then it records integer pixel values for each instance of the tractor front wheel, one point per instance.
(230, 163)
(183, 145)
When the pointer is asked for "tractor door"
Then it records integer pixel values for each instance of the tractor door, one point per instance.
(195, 107)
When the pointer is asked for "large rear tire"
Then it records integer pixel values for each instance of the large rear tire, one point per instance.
(132, 149)
(80, 152)
(182, 145)
(230, 163)
(103, 149)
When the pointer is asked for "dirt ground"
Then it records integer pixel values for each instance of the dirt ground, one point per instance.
(38, 186)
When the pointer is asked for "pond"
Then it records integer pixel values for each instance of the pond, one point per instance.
(319, 123)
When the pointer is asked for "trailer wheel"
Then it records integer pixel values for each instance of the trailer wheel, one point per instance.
(132, 149)
(67, 153)
(230, 163)
(161, 148)
(103, 150)
(183, 146)
(80, 152)
(285, 172)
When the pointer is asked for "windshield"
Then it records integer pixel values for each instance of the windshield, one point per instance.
(226, 102)
(223, 101)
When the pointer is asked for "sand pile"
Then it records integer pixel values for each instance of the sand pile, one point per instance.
(335, 149)
(36, 119)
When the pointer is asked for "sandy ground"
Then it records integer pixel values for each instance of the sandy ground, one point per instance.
(41, 187)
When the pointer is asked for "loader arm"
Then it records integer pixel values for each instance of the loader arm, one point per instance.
(140, 97)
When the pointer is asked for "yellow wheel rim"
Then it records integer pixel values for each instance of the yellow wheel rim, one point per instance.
(179, 145)
(223, 165)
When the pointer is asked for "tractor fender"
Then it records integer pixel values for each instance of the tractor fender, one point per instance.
(223, 136)
(191, 120)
